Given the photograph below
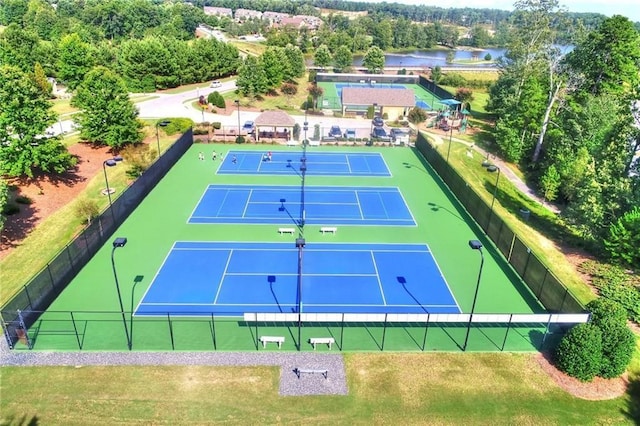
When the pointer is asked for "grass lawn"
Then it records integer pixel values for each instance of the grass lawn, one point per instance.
(383, 389)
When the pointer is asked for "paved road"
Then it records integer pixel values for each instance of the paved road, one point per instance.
(179, 105)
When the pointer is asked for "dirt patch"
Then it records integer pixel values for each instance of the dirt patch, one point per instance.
(596, 390)
(49, 193)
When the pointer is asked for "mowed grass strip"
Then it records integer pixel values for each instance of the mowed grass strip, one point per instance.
(433, 389)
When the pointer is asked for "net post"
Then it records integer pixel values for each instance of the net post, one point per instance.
(213, 331)
(255, 341)
(342, 332)
(504, 342)
(426, 329)
(75, 329)
(173, 347)
(384, 331)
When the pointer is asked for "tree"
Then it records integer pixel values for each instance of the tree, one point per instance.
(464, 95)
(108, 116)
(252, 79)
(4, 197)
(24, 117)
(608, 59)
(322, 56)
(450, 57)
(295, 62)
(436, 73)
(87, 209)
(40, 78)
(550, 183)
(74, 60)
(479, 36)
(579, 353)
(343, 59)
(373, 60)
(274, 64)
(624, 238)
(315, 91)
(289, 90)
(417, 115)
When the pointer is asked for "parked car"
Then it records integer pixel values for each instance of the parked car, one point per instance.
(350, 133)
(380, 133)
(399, 135)
(378, 121)
(249, 126)
(335, 132)
(215, 83)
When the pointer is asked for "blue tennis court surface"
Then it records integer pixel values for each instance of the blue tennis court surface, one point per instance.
(283, 205)
(227, 278)
(317, 163)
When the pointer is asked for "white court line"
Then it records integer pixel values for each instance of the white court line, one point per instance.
(359, 205)
(215, 300)
(197, 204)
(246, 204)
(375, 265)
(349, 165)
(154, 277)
(284, 274)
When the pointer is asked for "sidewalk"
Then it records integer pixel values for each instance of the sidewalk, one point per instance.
(505, 170)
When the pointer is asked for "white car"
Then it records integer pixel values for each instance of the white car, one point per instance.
(215, 83)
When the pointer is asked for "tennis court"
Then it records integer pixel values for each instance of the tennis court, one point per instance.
(290, 163)
(315, 205)
(233, 278)
(332, 97)
(192, 266)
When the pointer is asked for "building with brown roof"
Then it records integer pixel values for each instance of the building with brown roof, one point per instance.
(396, 103)
(218, 11)
(274, 124)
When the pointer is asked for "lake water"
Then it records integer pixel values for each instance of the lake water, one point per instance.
(431, 58)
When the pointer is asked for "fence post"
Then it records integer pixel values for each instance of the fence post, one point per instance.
(384, 331)
(342, 332)
(5, 331)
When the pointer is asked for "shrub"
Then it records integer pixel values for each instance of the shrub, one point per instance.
(177, 125)
(417, 115)
(10, 208)
(87, 209)
(216, 125)
(240, 139)
(615, 284)
(618, 345)
(579, 353)
(23, 199)
(606, 313)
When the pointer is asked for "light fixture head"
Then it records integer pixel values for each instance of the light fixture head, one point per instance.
(475, 244)
(110, 162)
(119, 242)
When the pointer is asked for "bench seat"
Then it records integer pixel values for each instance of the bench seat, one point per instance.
(326, 229)
(272, 339)
(301, 371)
(322, 341)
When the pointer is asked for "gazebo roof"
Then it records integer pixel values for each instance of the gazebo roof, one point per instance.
(275, 119)
(450, 102)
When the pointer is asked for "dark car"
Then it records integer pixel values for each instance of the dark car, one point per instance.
(335, 132)
(378, 121)
(379, 133)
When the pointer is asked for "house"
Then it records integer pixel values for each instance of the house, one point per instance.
(274, 17)
(245, 14)
(218, 11)
(312, 22)
(395, 103)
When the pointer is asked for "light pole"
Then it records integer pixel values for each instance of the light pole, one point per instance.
(495, 190)
(475, 245)
(163, 123)
(373, 115)
(120, 242)
(111, 162)
(237, 102)
(305, 127)
(450, 137)
(300, 245)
